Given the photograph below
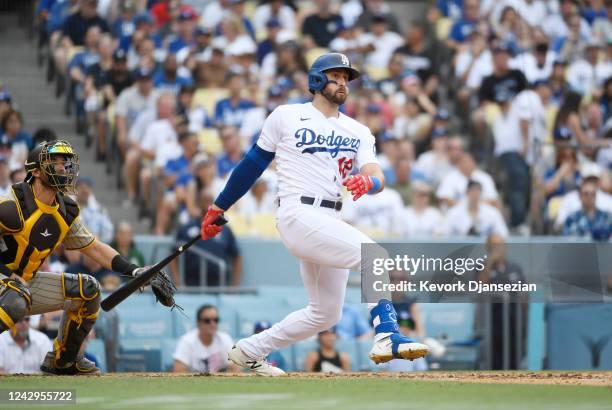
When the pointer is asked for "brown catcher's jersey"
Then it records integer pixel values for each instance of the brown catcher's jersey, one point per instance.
(31, 230)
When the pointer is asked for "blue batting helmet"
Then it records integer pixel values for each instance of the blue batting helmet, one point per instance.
(316, 75)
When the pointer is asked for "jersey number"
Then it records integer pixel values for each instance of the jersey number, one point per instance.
(345, 166)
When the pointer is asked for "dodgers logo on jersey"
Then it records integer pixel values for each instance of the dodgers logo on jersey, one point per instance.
(333, 143)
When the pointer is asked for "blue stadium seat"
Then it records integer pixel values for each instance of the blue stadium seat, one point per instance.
(350, 347)
(449, 322)
(140, 355)
(145, 322)
(167, 351)
(302, 349)
(96, 348)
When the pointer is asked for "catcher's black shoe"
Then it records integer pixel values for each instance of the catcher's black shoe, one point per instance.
(82, 366)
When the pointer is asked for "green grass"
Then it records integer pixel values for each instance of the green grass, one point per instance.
(176, 393)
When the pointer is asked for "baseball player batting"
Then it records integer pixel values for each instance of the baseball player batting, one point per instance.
(316, 149)
(35, 219)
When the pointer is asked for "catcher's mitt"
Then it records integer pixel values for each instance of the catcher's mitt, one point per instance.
(163, 287)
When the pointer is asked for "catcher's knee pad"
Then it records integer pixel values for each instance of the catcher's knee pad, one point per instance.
(80, 286)
(77, 323)
(15, 303)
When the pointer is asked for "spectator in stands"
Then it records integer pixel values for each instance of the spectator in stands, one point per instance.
(176, 175)
(5, 177)
(184, 37)
(204, 178)
(267, 45)
(403, 177)
(204, 349)
(234, 35)
(168, 78)
(14, 138)
(108, 82)
(231, 110)
(5, 102)
(212, 73)
(275, 358)
(537, 63)
(130, 103)
(79, 66)
(74, 30)
(320, 27)
(327, 359)
(380, 216)
(474, 217)
(511, 147)
(499, 270)
(381, 42)
(214, 12)
(420, 220)
(464, 26)
(570, 46)
(472, 64)
(224, 249)
(453, 186)
(232, 151)
(274, 10)
(556, 25)
(125, 245)
(589, 221)
(352, 324)
(586, 74)
(373, 8)
(190, 55)
(254, 118)
(420, 57)
(434, 164)
(259, 200)
(568, 129)
(94, 216)
(565, 176)
(23, 349)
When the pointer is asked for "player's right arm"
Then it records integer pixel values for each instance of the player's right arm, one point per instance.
(246, 173)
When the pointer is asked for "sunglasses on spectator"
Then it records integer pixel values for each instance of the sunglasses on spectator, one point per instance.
(208, 320)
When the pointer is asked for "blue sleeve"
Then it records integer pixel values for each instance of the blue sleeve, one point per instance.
(219, 111)
(244, 176)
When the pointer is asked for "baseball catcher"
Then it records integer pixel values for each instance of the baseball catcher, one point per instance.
(35, 219)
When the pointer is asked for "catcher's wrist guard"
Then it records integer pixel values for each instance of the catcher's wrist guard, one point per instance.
(122, 265)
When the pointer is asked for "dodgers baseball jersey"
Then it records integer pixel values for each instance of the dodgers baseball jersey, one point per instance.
(313, 153)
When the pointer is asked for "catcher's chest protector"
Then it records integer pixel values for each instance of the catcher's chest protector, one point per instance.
(36, 230)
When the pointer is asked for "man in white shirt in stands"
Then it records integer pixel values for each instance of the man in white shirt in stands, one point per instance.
(379, 216)
(420, 219)
(434, 164)
(383, 43)
(570, 203)
(474, 217)
(23, 349)
(204, 349)
(453, 187)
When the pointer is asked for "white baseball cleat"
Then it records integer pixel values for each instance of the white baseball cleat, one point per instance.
(261, 366)
(396, 346)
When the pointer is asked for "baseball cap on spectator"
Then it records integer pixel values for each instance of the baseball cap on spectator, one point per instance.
(119, 55)
(540, 83)
(187, 15)
(261, 325)
(3, 159)
(590, 170)
(373, 108)
(560, 61)
(202, 31)
(143, 74)
(379, 18)
(439, 132)
(563, 134)
(442, 115)
(502, 47)
(5, 96)
(143, 17)
(273, 23)
(275, 91)
(593, 43)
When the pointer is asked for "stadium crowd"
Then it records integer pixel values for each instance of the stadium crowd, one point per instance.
(491, 118)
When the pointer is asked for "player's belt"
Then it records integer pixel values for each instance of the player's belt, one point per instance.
(308, 200)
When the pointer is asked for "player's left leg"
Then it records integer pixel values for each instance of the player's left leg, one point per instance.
(79, 296)
(332, 242)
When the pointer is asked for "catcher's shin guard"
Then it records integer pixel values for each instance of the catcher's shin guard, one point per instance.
(83, 294)
(15, 303)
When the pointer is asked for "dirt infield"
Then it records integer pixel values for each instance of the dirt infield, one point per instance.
(576, 378)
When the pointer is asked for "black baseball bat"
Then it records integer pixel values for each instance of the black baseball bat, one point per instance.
(141, 280)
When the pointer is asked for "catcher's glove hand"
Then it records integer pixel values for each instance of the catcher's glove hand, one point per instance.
(162, 285)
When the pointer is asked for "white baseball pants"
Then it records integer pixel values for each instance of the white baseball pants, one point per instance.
(327, 248)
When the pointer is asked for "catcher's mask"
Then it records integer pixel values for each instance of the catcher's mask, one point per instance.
(44, 157)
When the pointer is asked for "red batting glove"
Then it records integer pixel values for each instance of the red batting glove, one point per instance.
(209, 229)
(358, 185)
